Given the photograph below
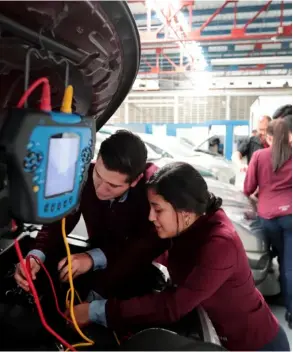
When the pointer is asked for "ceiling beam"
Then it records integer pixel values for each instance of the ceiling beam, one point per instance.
(251, 60)
(214, 92)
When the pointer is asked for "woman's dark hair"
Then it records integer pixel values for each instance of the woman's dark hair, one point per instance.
(281, 148)
(283, 111)
(181, 185)
(124, 152)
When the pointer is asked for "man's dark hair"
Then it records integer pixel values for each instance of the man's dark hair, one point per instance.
(281, 148)
(124, 152)
(283, 111)
(181, 185)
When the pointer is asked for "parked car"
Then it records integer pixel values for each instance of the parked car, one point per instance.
(100, 137)
(171, 147)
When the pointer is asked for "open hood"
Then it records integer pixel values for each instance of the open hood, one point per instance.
(93, 45)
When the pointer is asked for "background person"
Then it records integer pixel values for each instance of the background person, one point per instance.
(250, 145)
(270, 170)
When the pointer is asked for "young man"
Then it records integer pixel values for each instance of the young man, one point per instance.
(248, 146)
(115, 209)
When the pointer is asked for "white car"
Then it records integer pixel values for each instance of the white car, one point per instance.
(100, 137)
(171, 147)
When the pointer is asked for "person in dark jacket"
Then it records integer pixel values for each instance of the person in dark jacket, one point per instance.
(208, 267)
(270, 171)
(115, 209)
(249, 145)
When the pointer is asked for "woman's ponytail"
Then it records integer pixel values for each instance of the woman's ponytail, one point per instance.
(214, 203)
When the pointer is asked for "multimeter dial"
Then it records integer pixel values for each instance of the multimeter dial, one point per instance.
(32, 160)
(86, 155)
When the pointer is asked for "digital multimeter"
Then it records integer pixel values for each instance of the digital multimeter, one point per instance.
(48, 155)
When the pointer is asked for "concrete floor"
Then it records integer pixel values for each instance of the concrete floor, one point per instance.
(280, 314)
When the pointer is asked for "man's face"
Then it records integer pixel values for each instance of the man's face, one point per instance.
(109, 184)
(262, 127)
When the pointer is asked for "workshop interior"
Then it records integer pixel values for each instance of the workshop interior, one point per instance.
(66, 69)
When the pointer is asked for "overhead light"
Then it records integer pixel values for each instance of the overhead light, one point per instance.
(191, 50)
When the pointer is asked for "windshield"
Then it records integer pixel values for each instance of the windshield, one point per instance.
(104, 134)
(187, 142)
(152, 155)
(173, 146)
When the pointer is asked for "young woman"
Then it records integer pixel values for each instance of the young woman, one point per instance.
(208, 267)
(271, 171)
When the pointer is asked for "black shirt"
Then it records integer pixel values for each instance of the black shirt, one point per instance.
(248, 146)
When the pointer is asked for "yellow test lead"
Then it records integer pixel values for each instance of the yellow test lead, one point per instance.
(67, 100)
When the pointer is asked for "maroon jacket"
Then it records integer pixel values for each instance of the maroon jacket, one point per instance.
(208, 267)
(275, 188)
(121, 230)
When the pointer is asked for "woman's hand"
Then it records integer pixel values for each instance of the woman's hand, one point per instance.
(81, 313)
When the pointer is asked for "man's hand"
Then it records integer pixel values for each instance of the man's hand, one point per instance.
(20, 276)
(81, 263)
(81, 313)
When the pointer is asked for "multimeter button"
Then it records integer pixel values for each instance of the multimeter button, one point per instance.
(65, 204)
(70, 200)
(59, 206)
(30, 145)
(31, 155)
(86, 155)
(36, 189)
(46, 208)
(53, 207)
(39, 157)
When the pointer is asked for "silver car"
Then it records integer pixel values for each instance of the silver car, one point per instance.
(171, 147)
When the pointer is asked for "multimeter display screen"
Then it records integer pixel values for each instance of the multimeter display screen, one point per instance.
(62, 161)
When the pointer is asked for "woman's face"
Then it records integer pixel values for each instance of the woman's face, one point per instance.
(167, 221)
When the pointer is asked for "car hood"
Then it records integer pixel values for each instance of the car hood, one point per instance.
(231, 196)
(236, 205)
(93, 45)
(219, 168)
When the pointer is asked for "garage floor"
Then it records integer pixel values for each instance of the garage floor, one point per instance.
(280, 314)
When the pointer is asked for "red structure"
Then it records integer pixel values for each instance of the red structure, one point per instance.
(181, 37)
